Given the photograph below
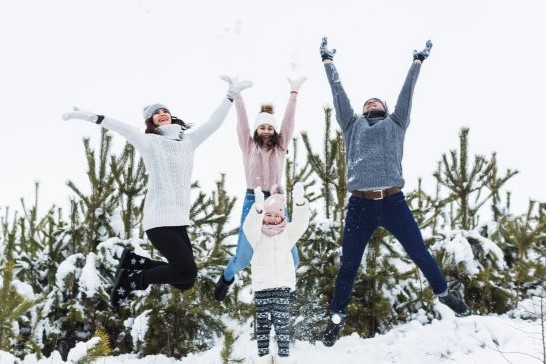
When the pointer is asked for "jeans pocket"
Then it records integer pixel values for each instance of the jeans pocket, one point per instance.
(397, 197)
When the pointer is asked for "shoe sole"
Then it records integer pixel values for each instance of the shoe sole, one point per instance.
(464, 314)
(327, 344)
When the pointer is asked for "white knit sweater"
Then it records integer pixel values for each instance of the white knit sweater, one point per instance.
(169, 162)
(272, 264)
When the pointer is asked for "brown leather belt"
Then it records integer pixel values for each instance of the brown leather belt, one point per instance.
(376, 194)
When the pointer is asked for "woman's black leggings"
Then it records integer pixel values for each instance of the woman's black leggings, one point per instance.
(180, 271)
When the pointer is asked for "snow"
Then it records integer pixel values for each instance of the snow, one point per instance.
(246, 295)
(473, 339)
(116, 222)
(6, 358)
(460, 250)
(89, 280)
(139, 328)
(23, 289)
(65, 268)
(80, 350)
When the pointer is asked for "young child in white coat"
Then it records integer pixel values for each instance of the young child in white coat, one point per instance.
(273, 274)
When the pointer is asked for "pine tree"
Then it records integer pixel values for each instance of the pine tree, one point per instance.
(494, 183)
(12, 305)
(294, 174)
(331, 171)
(320, 246)
(426, 209)
(466, 183)
(480, 271)
(98, 205)
(523, 242)
(131, 181)
(227, 349)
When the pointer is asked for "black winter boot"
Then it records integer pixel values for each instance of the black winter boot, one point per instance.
(132, 261)
(455, 303)
(331, 333)
(221, 288)
(126, 282)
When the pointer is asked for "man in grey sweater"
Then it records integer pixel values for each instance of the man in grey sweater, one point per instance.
(374, 145)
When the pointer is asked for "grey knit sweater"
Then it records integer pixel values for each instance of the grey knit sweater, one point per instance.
(169, 162)
(374, 147)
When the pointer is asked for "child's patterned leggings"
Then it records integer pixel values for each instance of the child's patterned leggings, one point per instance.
(273, 307)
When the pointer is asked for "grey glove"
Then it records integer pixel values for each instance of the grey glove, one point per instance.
(326, 53)
(82, 115)
(422, 55)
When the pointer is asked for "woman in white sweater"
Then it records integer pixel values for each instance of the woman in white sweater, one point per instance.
(273, 273)
(168, 151)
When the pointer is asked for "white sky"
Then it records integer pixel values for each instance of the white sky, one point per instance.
(486, 71)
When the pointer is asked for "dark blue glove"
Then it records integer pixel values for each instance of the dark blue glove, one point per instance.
(422, 55)
(326, 53)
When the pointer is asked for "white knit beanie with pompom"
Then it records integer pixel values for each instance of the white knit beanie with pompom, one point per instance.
(266, 117)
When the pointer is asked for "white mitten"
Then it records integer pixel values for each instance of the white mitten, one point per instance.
(298, 194)
(259, 199)
(81, 114)
(235, 86)
(296, 83)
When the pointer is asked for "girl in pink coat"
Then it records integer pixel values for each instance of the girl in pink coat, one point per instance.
(264, 149)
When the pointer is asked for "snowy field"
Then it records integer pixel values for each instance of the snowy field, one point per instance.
(510, 338)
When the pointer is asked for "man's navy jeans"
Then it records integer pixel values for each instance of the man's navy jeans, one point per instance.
(363, 217)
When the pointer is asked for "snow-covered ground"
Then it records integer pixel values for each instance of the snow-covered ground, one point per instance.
(476, 339)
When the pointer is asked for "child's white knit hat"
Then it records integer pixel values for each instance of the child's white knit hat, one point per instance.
(276, 203)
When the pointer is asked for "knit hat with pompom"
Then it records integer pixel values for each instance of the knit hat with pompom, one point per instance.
(266, 117)
(276, 203)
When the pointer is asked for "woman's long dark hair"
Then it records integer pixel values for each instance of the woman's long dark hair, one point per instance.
(152, 129)
(275, 141)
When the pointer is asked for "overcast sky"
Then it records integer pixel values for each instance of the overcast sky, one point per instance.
(486, 71)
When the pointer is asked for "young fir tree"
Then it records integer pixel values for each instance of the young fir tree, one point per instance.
(467, 184)
(319, 248)
(294, 174)
(227, 349)
(331, 170)
(13, 306)
(480, 271)
(41, 247)
(59, 259)
(97, 206)
(426, 209)
(131, 181)
(522, 240)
